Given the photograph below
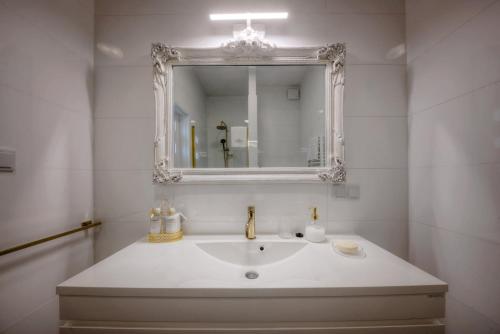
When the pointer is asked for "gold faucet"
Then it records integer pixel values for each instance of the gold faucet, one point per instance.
(250, 226)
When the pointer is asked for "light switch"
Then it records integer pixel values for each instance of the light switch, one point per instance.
(340, 191)
(7, 160)
(351, 191)
(293, 93)
(354, 191)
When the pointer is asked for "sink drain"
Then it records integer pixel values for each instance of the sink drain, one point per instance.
(251, 274)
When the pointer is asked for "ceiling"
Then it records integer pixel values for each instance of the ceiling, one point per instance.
(233, 80)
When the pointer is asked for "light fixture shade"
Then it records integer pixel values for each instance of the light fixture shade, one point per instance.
(249, 16)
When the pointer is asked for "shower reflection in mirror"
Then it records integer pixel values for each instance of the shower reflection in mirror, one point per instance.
(237, 116)
(224, 143)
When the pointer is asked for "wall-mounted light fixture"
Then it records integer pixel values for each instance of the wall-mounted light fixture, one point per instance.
(248, 41)
(249, 16)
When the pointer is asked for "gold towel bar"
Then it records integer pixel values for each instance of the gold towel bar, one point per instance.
(84, 226)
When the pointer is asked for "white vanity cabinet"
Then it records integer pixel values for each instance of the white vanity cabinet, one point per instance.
(179, 288)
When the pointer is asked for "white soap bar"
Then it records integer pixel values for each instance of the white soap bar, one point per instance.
(347, 246)
(315, 233)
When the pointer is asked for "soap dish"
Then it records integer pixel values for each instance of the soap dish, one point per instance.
(350, 252)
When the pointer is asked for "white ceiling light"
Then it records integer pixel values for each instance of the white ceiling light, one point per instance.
(249, 16)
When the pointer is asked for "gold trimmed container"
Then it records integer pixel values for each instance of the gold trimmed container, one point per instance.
(165, 237)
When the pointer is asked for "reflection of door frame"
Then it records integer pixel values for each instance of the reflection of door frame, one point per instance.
(193, 146)
(184, 135)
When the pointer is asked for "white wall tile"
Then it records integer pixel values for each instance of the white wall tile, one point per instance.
(135, 7)
(376, 142)
(123, 143)
(467, 319)
(43, 320)
(455, 67)
(464, 262)
(88, 5)
(366, 6)
(374, 90)
(273, 203)
(370, 39)
(144, 7)
(461, 131)
(36, 64)
(124, 91)
(61, 138)
(64, 194)
(300, 29)
(429, 21)
(118, 233)
(70, 23)
(133, 35)
(383, 195)
(458, 198)
(120, 194)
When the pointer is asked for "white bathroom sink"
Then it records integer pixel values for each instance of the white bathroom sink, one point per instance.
(252, 252)
(205, 280)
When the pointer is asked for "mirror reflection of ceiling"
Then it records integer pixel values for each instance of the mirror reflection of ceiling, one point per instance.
(223, 80)
(275, 76)
(233, 80)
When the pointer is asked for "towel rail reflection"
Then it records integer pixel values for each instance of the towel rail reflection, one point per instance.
(84, 226)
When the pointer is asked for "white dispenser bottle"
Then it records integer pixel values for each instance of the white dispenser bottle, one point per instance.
(315, 232)
(173, 221)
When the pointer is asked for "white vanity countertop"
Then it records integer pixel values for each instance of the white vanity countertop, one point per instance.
(182, 269)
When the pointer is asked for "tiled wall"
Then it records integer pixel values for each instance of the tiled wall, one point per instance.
(375, 123)
(46, 64)
(454, 154)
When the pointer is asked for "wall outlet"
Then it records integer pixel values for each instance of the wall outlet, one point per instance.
(352, 191)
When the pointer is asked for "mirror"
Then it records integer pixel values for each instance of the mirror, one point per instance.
(248, 112)
(249, 116)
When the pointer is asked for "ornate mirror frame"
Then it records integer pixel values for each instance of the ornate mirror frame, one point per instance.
(249, 52)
